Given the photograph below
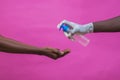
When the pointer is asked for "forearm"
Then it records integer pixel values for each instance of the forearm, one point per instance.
(13, 46)
(111, 25)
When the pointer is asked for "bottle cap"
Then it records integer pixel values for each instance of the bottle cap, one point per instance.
(64, 27)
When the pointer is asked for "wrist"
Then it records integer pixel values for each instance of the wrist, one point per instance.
(39, 51)
(89, 27)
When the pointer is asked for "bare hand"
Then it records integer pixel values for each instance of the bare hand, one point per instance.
(54, 53)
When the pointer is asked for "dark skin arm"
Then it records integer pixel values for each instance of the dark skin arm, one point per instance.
(110, 25)
(12, 46)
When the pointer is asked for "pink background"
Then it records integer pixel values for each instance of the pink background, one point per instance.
(34, 22)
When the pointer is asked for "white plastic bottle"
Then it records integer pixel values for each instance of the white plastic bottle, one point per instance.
(76, 37)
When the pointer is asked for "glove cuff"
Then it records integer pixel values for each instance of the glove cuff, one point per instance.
(89, 27)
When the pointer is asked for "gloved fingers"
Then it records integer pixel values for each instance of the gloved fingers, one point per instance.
(66, 22)
(69, 36)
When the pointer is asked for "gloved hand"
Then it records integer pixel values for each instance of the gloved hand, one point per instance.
(77, 28)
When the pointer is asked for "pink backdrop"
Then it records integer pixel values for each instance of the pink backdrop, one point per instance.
(34, 22)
